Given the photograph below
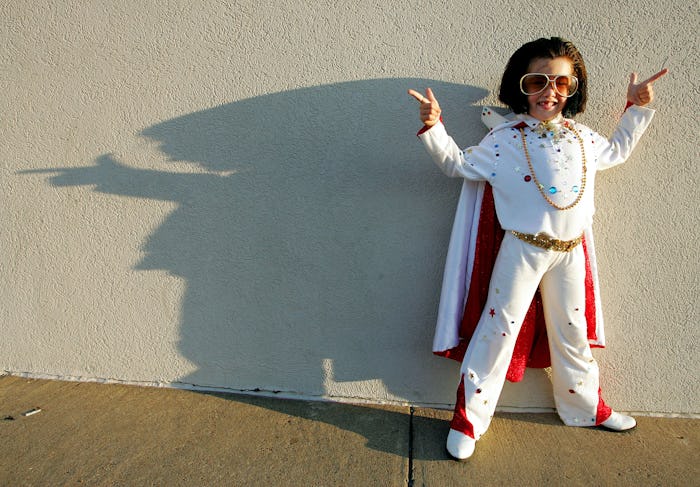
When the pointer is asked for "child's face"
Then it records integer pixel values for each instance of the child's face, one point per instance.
(548, 104)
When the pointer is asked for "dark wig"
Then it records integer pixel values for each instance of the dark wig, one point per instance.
(519, 62)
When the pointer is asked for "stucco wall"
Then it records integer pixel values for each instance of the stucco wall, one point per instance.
(232, 195)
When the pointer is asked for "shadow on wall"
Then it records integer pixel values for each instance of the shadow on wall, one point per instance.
(312, 248)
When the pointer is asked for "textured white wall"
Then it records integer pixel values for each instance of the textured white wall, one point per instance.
(233, 196)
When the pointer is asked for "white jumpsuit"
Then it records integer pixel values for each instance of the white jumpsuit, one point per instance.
(557, 159)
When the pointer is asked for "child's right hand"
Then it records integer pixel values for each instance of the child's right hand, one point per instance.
(429, 107)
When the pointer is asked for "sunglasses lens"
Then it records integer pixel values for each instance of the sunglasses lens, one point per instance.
(566, 85)
(534, 83)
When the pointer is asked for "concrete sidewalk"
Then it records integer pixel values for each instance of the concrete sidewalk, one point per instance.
(93, 434)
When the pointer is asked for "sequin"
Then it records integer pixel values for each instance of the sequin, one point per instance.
(492, 312)
(571, 391)
(493, 174)
(575, 189)
(478, 391)
(552, 190)
(528, 178)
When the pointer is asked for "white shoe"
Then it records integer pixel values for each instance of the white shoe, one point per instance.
(459, 445)
(619, 422)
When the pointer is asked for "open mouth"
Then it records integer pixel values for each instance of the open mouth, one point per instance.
(547, 105)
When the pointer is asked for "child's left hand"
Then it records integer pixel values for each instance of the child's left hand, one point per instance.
(642, 93)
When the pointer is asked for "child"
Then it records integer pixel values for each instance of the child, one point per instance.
(540, 168)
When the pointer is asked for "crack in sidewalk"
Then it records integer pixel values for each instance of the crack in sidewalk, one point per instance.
(410, 479)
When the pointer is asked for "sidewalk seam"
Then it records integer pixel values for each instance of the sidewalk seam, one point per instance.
(410, 480)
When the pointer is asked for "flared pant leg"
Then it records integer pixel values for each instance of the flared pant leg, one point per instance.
(518, 271)
(575, 373)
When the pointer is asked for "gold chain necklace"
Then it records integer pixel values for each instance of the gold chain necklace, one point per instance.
(540, 187)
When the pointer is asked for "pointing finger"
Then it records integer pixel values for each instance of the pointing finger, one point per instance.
(421, 99)
(656, 76)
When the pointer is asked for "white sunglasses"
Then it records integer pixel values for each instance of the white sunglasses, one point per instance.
(535, 83)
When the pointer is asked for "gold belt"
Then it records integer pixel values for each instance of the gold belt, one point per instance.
(544, 241)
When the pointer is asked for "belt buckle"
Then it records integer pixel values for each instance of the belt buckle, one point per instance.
(544, 240)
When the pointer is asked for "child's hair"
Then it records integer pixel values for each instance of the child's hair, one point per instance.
(519, 62)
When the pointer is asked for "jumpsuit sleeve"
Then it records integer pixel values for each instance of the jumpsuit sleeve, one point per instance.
(474, 163)
(616, 150)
